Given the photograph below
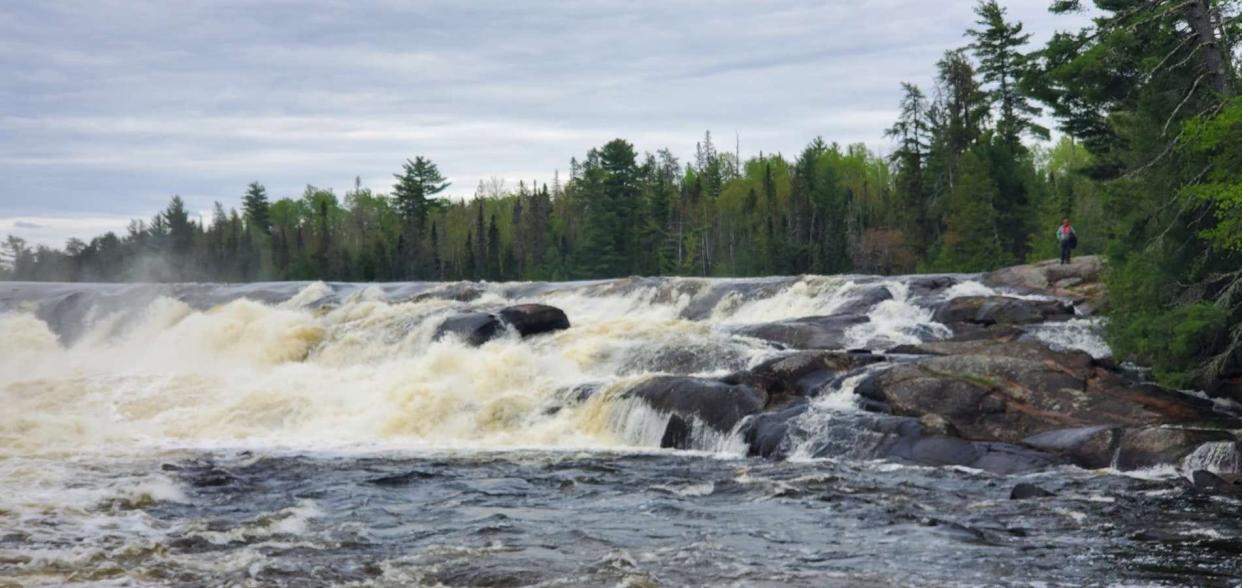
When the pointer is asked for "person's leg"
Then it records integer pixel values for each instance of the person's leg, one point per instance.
(1065, 252)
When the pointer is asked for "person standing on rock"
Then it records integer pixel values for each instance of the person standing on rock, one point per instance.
(1067, 238)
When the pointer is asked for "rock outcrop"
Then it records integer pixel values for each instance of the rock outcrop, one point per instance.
(1078, 281)
(1001, 310)
(477, 328)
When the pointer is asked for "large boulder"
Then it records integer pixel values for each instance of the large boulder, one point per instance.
(1079, 280)
(477, 328)
(693, 401)
(1001, 310)
(1002, 398)
(869, 436)
(1079, 363)
(1132, 448)
(1090, 447)
(534, 319)
(1145, 447)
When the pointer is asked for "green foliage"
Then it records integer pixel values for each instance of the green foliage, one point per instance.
(1219, 138)
(971, 241)
(1150, 327)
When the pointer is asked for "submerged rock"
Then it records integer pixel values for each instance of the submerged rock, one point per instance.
(472, 328)
(1024, 491)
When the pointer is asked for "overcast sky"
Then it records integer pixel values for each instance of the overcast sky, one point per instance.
(111, 106)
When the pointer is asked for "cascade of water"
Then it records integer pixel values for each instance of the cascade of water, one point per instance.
(123, 366)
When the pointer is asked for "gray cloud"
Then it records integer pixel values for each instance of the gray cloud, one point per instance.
(113, 105)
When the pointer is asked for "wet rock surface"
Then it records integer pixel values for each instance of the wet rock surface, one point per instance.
(477, 328)
(1079, 281)
(534, 319)
(1001, 310)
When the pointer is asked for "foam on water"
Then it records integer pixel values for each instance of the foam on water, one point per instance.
(329, 367)
(1082, 334)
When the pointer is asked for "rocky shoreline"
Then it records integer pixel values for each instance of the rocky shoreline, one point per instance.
(987, 395)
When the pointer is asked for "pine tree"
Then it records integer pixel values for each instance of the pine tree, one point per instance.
(256, 209)
(912, 131)
(418, 183)
(996, 46)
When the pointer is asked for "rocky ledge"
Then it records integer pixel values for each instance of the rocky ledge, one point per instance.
(989, 395)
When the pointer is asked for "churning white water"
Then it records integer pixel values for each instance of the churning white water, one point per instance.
(342, 365)
(333, 366)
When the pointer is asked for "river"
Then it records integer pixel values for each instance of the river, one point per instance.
(308, 434)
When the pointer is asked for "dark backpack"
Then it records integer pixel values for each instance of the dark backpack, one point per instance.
(1072, 241)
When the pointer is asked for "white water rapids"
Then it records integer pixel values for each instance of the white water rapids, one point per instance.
(346, 365)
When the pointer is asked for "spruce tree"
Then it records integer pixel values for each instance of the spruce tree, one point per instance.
(256, 209)
(997, 45)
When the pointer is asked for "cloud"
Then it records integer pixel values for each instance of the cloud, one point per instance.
(111, 106)
(53, 231)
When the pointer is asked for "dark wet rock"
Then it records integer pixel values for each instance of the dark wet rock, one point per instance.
(1212, 483)
(1158, 536)
(1003, 398)
(472, 328)
(902, 439)
(1024, 491)
(766, 434)
(1205, 480)
(1088, 447)
(581, 392)
(1000, 458)
(1077, 362)
(815, 332)
(534, 319)
(1159, 445)
(209, 477)
(1001, 310)
(714, 403)
(801, 374)
(477, 328)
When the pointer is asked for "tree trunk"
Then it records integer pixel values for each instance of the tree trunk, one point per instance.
(1200, 15)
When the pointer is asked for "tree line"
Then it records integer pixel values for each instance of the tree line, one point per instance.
(1148, 166)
